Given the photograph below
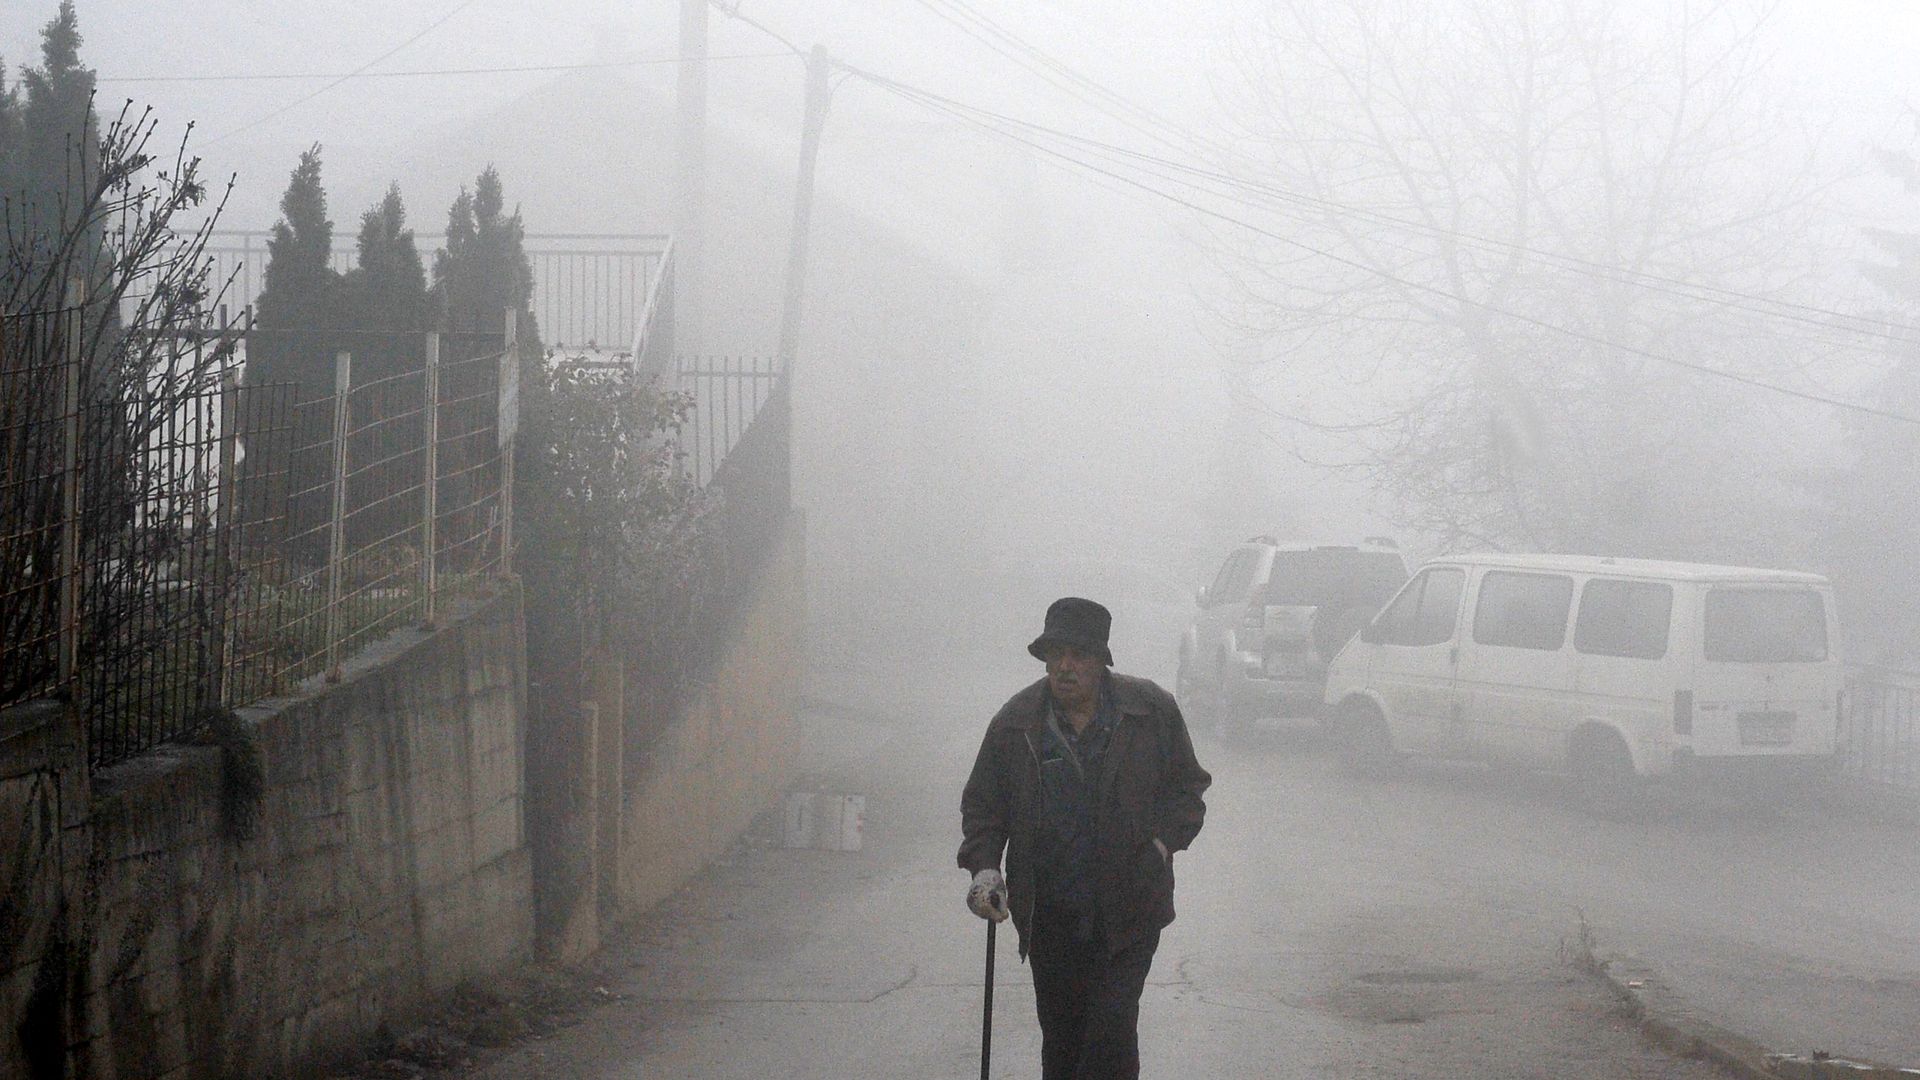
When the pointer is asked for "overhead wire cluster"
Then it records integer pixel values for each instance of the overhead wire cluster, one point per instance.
(282, 76)
(1182, 181)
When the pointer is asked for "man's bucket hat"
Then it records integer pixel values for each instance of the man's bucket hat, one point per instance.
(1080, 623)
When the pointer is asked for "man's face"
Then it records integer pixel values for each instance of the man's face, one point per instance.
(1073, 676)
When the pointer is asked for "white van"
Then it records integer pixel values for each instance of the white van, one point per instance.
(1604, 667)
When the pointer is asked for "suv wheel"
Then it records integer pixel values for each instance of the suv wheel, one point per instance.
(1185, 690)
(1231, 723)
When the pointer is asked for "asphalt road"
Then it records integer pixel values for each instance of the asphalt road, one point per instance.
(1414, 927)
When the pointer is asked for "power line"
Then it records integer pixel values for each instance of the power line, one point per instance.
(426, 73)
(972, 116)
(975, 24)
(355, 73)
(1182, 139)
(734, 12)
(1881, 329)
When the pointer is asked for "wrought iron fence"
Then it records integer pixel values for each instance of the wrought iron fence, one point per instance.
(171, 548)
(39, 408)
(1879, 736)
(588, 288)
(729, 395)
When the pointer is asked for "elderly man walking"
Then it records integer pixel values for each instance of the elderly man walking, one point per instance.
(1088, 782)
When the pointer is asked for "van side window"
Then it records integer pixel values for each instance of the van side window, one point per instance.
(1624, 618)
(1765, 626)
(1522, 611)
(1425, 611)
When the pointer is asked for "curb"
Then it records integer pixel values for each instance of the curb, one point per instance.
(1666, 1020)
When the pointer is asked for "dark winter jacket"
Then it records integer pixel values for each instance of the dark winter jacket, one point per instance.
(1150, 786)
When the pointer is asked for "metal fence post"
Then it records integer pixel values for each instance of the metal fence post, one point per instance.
(71, 410)
(430, 482)
(227, 532)
(337, 532)
(508, 424)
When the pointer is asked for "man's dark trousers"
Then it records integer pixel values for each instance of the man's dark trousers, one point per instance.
(1089, 999)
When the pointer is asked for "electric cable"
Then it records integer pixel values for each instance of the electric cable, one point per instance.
(734, 12)
(1623, 275)
(1881, 329)
(963, 113)
(355, 73)
(966, 114)
(431, 72)
(973, 22)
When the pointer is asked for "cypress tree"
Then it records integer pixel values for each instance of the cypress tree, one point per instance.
(302, 290)
(386, 292)
(484, 268)
(60, 134)
(12, 138)
(483, 271)
(301, 297)
(385, 301)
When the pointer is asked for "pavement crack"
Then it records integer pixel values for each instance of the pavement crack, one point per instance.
(913, 972)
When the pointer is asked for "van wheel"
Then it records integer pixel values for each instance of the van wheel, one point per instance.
(1362, 742)
(1602, 766)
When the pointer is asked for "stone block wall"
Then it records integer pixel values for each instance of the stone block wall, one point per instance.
(387, 863)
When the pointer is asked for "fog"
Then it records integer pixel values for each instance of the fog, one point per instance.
(1033, 366)
(1015, 370)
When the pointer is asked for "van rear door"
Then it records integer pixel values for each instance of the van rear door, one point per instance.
(1768, 679)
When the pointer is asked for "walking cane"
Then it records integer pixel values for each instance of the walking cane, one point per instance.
(986, 1018)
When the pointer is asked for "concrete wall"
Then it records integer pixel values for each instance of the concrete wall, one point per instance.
(388, 863)
(730, 750)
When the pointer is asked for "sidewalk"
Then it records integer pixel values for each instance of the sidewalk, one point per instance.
(1823, 955)
(808, 964)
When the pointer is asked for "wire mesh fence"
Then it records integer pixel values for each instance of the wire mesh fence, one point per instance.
(180, 542)
(393, 496)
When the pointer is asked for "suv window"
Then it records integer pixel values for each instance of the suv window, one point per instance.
(1766, 626)
(1425, 611)
(1235, 579)
(1522, 611)
(1624, 618)
(1333, 577)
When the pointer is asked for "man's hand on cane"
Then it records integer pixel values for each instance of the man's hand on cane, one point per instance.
(987, 896)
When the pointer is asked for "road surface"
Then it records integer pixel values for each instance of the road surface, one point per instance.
(1421, 926)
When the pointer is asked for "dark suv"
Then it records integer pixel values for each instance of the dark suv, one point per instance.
(1274, 616)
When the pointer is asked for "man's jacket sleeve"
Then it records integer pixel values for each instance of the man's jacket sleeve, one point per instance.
(984, 811)
(1180, 809)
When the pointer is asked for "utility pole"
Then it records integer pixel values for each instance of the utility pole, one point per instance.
(690, 203)
(819, 66)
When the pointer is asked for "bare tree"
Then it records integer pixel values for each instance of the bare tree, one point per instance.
(1501, 215)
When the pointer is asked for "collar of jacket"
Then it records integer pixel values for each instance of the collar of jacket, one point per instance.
(1027, 710)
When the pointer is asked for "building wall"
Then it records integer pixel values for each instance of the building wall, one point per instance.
(729, 751)
(388, 863)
